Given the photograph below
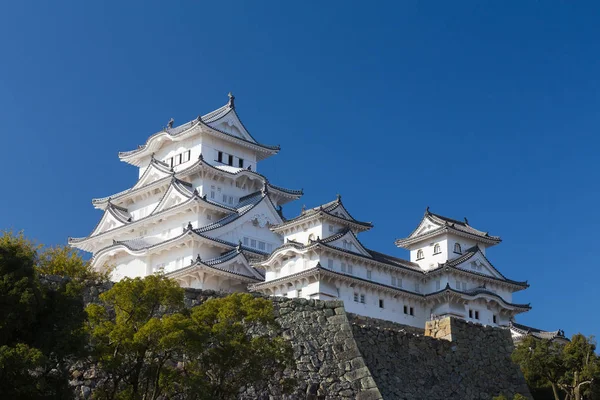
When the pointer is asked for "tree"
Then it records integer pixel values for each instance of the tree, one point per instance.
(571, 370)
(40, 329)
(149, 345)
(541, 363)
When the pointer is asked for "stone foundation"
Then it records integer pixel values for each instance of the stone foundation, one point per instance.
(344, 356)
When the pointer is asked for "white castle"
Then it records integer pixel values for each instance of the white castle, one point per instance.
(202, 214)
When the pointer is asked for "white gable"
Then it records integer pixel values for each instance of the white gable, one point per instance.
(151, 174)
(232, 125)
(108, 222)
(425, 226)
(479, 264)
(172, 198)
(350, 243)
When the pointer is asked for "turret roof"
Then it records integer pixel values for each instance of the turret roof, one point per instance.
(333, 210)
(467, 255)
(537, 333)
(443, 224)
(207, 121)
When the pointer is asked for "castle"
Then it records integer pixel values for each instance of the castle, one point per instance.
(203, 214)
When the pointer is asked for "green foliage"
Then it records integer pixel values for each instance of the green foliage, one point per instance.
(39, 328)
(150, 346)
(517, 396)
(571, 370)
(66, 261)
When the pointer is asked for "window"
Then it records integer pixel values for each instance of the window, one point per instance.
(458, 285)
(225, 198)
(437, 249)
(220, 156)
(261, 245)
(299, 293)
(368, 274)
(185, 157)
(241, 163)
(470, 313)
(495, 319)
(349, 268)
(412, 311)
(399, 282)
(330, 263)
(343, 267)
(457, 248)
(380, 303)
(362, 298)
(418, 287)
(405, 310)
(394, 280)
(464, 286)
(230, 160)
(212, 192)
(253, 243)
(246, 241)
(356, 297)
(476, 314)
(419, 254)
(230, 199)
(438, 285)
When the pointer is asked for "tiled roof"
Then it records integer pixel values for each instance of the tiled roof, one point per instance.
(447, 224)
(538, 333)
(373, 255)
(468, 254)
(209, 118)
(216, 264)
(477, 291)
(203, 163)
(327, 209)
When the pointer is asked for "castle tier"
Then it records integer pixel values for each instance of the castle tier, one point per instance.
(448, 273)
(199, 212)
(202, 214)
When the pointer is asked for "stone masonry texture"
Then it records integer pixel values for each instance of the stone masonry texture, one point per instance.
(344, 356)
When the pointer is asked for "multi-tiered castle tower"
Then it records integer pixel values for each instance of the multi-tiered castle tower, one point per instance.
(202, 214)
(200, 210)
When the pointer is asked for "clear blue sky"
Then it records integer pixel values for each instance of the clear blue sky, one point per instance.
(489, 110)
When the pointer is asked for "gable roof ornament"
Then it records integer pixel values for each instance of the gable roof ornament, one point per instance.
(170, 123)
(231, 102)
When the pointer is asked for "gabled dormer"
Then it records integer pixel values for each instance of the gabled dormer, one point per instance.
(321, 222)
(438, 239)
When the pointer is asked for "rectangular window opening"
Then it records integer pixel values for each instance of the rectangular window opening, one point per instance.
(380, 303)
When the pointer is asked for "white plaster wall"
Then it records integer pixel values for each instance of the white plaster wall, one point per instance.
(128, 266)
(430, 260)
(211, 147)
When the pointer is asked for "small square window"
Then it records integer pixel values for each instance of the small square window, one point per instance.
(380, 303)
(356, 297)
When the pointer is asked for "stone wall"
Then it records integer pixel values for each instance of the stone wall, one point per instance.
(344, 356)
(454, 359)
